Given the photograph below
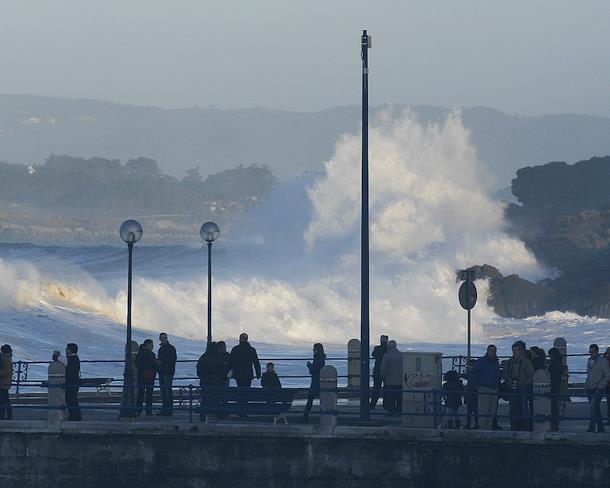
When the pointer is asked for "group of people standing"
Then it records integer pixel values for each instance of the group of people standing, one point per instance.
(69, 370)
(513, 381)
(216, 367)
(387, 372)
(147, 367)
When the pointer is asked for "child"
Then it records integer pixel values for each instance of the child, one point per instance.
(270, 378)
(453, 388)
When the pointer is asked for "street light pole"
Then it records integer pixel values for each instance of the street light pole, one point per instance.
(209, 292)
(209, 233)
(364, 239)
(131, 232)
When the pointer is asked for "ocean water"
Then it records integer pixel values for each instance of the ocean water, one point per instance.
(55, 295)
(288, 272)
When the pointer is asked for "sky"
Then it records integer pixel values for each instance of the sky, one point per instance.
(520, 56)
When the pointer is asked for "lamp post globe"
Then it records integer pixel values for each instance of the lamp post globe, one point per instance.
(209, 232)
(130, 232)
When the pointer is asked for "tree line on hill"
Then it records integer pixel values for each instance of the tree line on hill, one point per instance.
(74, 185)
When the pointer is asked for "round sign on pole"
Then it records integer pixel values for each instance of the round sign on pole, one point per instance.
(468, 295)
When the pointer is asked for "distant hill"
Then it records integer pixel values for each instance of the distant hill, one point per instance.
(71, 199)
(290, 143)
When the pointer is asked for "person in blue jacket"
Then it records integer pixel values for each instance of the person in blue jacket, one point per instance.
(485, 375)
(315, 366)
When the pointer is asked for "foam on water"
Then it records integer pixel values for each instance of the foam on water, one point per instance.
(296, 281)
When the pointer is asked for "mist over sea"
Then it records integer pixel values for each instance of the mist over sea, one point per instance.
(288, 273)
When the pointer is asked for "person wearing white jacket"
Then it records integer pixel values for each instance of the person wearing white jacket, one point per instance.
(598, 375)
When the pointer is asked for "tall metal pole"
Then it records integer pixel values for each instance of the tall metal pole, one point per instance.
(469, 279)
(364, 239)
(209, 292)
(127, 402)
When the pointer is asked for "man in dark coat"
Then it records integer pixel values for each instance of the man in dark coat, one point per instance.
(212, 375)
(72, 382)
(377, 355)
(243, 358)
(147, 370)
(167, 368)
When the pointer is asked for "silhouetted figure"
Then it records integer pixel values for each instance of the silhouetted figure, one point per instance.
(6, 379)
(538, 358)
(452, 393)
(598, 375)
(270, 378)
(242, 361)
(314, 367)
(212, 374)
(72, 382)
(167, 369)
(226, 358)
(147, 370)
(471, 398)
(391, 374)
(556, 370)
(377, 355)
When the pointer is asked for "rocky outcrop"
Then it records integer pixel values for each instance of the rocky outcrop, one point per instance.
(564, 218)
(512, 296)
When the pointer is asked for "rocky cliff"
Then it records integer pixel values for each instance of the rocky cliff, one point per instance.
(564, 218)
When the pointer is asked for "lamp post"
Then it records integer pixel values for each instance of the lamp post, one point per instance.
(209, 233)
(365, 45)
(130, 232)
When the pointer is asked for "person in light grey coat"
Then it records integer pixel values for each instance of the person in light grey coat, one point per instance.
(391, 374)
(598, 375)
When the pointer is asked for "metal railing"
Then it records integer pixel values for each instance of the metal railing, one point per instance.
(23, 370)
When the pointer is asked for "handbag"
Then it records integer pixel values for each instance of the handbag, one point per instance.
(148, 374)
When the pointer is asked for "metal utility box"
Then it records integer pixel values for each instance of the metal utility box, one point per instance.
(422, 372)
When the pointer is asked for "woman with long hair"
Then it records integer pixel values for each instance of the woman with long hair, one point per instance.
(315, 366)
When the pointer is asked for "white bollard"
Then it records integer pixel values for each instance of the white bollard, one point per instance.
(353, 363)
(542, 401)
(328, 398)
(56, 393)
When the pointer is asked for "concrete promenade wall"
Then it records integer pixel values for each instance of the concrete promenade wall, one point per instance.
(95, 455)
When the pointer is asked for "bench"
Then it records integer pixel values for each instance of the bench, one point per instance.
(98, 383)
(244, 401)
